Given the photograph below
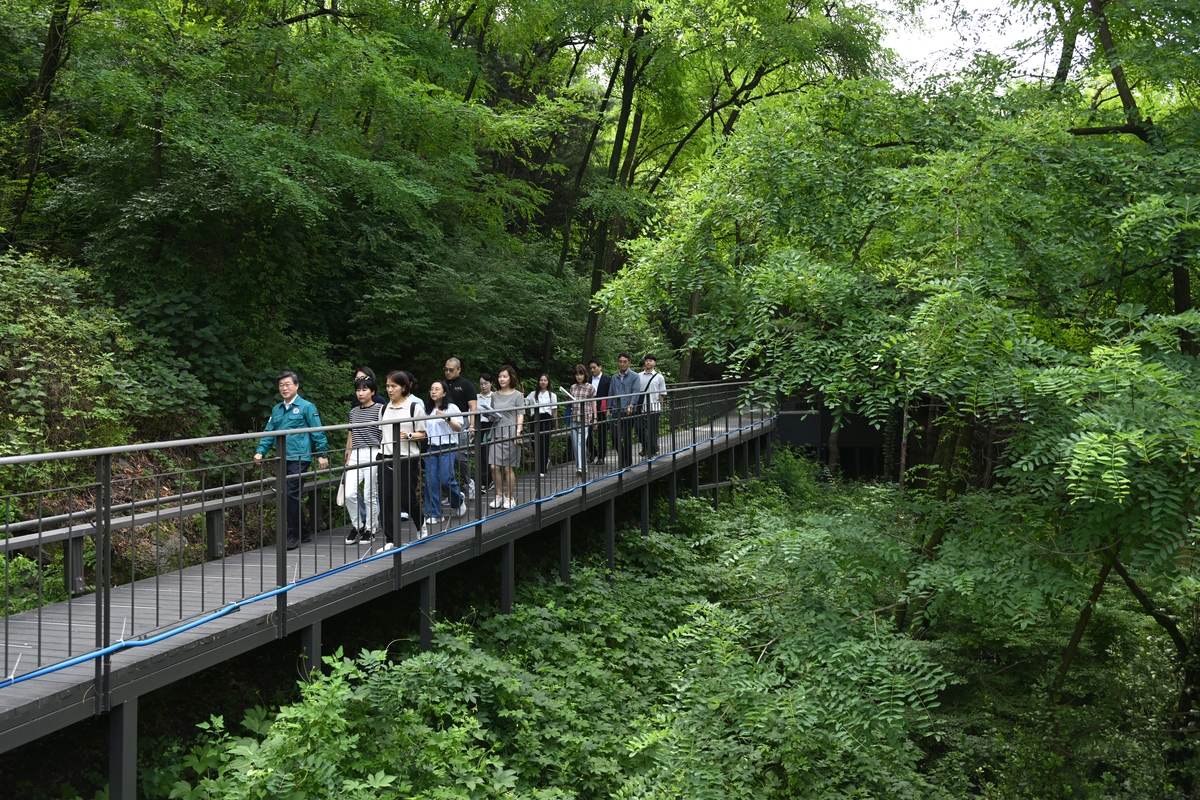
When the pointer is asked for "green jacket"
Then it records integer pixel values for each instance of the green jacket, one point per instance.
(302, 414)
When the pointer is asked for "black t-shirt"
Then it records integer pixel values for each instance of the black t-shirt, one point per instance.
(462, 392)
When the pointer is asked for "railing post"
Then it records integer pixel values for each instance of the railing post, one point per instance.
(214, 533)
(397, 522)
(281, 531)
(103, 564)
(480, 482)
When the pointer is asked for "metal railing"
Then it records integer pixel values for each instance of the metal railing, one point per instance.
(142, 552)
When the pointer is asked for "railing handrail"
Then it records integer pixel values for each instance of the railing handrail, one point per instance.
(95, 452)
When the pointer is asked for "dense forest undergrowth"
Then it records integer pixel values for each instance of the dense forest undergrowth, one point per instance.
(746, 652)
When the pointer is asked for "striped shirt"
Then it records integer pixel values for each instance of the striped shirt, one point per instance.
(365, 437)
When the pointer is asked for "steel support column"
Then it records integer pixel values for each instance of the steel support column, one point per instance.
(310, 648)
(122, 750)
(508, 576)
(564, 550)
(646, 508)
(610, 536)
(428, 609)
(673, 491)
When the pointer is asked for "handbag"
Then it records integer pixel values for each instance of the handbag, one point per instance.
(422, 444)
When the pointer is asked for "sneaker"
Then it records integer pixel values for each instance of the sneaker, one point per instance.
(498, 502)
(352, 536)
(510, 502)
(445, 501)
(430, 524)
(470, 490)
(404, 515)
(461, 510)
(386, 546)
(541, 474)
(292, 544)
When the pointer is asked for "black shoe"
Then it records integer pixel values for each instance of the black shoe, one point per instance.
(292, 544)
(305, 539)
(366, 538)
(353, 535)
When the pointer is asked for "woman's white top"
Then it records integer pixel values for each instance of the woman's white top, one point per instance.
(438, 429)
(543, 402)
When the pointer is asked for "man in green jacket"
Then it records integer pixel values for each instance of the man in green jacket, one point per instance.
(295, 413)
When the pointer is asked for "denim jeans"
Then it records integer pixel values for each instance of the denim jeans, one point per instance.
(439, 472)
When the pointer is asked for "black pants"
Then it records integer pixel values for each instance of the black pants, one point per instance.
(410, 472)
(297, 525)
(598, 442)
(623, 438)
(650, 433)
(485, 472)
(543, 426)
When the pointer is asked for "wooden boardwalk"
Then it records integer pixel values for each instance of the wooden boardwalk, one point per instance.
(324, 578)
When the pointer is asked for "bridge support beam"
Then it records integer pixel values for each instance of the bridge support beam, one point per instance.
(746, 460)
(673, 492)
(73, 563)
(508, 576)
(428, 589)
(564, 550)
(646, 509)
(610, 536)
(715, 467)
(122, 750)
(695, 475)
(310, 649)
(758, 457)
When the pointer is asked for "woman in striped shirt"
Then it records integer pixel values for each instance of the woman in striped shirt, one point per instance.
(583, 412)
(362, 446)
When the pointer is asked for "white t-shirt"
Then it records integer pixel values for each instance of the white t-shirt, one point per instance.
(438, 427)
(542, 401)
(409, 408)
(655, 386)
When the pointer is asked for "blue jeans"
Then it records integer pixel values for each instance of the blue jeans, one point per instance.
(439, 472)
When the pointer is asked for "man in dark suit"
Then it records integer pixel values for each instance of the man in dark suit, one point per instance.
(598, 441)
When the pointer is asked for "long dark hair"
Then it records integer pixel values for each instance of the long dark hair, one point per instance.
(537, 390)
(430, 405)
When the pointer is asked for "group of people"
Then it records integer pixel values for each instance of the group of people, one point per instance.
(435, 432)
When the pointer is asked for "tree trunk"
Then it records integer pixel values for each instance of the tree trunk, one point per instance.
(833, 447)
(1070, 23)
(1182, 285)
(685, 366)
(54, 55)
(1085, 616)
(628, 84)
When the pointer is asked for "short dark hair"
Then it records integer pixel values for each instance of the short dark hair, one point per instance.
(287, 373)
(625, 356)
(370, 373)
(368, 383)
(514, 382)
(484, 376)
(595, 361)
(648, 357)
(404, 380)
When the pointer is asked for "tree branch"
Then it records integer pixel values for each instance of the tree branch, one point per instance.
(1167, 624)
(320, 12)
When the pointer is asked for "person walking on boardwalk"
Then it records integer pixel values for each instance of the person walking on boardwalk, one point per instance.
(654, 392)
(462, 395)
(544, 408)
(504, 452)
(365, 372)
(442, 429)
(403, 424)
(598, 441)
(622, 406)
(362, 446)
(294, 413)
(486, 420)
(583, 413)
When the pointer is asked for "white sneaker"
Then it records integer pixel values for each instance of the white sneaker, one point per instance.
(446, 501)
(461, 510)
(510, 502)
(403, 515)
(386, 546)
(470, 490)
(428, 527)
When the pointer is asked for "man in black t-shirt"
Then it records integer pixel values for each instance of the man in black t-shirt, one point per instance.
(462, 394)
